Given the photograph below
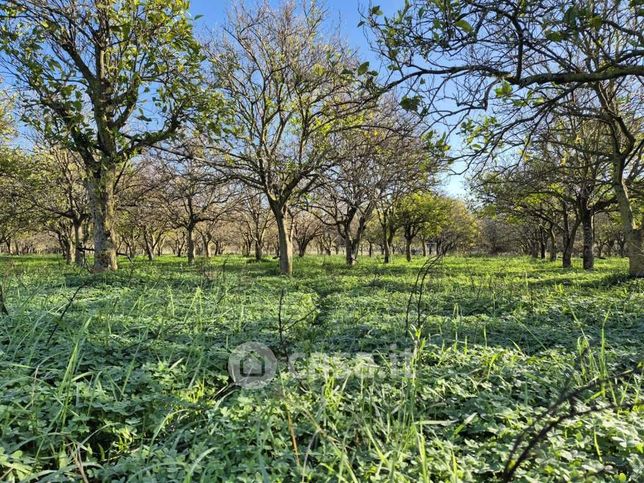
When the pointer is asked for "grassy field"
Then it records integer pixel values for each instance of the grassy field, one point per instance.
(124, 376)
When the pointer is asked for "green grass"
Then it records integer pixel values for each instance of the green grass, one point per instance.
(131, 383)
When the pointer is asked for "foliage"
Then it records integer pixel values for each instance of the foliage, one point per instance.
(130, 382)
(103, 72)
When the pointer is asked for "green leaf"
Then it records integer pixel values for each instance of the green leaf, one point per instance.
(554, 36)
(364, 67)
(504, 90)
(464, 25)
(410, 103)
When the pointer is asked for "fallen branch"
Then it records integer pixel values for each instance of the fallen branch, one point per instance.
(570, 397)
(69, 304)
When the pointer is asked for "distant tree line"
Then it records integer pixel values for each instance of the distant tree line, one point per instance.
(547, 98)
(271, 136)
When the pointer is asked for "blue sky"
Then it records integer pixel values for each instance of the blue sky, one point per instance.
(344, 14)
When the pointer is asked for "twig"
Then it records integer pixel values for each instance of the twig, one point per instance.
(79, 464)
(60, 319)
(420, 282)
(571, 397)
(280, 323)
(293, 438)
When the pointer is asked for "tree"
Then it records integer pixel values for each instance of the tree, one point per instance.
(561, 184)
(57, 187)
(459, 228)
(306, 227)
(531, 197)
(621, 112)
(14, 215)
(520, 63)
(609, 234)
(255, 216)
(497, 234)
(142, 208)
(414, 213)
(578, 172)
(191, 198)
(112, 78)
(369, 163)
(289, 88)
(479, 45)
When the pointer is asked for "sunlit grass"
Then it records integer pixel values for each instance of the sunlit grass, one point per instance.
(133, 383)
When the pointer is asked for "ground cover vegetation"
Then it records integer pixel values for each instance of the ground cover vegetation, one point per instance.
(128, 380)
(169, 192)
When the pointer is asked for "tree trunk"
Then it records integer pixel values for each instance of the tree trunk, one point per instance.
(566, 257)
(284, 238)
(408, 249)
(148, 244)
(587, 229)
(534, 248)
(68, 250)
(553, 245)
(351, 251)
(131, 251)
(386, 249)
(101, 197)
(259, 254)
(622, 248)
(635, 252)
(370, 249)
(78, 243)
(190, 245)
(206, 246)
(301, 247)
(632, 234)
(569, 233)
(387, 239)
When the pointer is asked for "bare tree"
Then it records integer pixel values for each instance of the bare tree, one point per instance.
(307, 227)
(192, 198)
(51, 183)
(289, 90)
(255, 216)
(369, 162)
